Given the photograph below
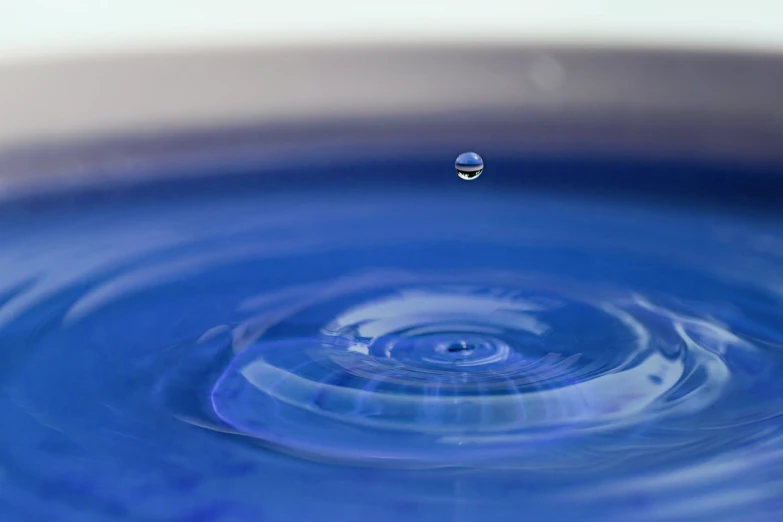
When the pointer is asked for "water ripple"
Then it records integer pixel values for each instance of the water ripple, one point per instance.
(449, 374)
(587, 360)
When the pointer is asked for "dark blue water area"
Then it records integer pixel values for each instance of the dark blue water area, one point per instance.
(559, 340)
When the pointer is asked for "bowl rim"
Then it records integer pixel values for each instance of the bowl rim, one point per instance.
(73, 121)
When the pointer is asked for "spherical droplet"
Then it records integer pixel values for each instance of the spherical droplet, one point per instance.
(469, 165)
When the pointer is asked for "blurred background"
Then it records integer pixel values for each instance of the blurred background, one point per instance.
(37, 28)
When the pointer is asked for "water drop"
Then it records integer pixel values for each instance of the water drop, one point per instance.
(469, 165)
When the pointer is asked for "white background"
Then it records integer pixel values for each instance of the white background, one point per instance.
(37, 28)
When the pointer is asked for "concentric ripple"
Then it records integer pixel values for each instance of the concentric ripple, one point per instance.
(450, 373)
(328, 356)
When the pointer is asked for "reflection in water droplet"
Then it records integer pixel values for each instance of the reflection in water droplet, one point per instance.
(469, 165)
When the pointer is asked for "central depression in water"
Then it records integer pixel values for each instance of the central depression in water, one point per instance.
(456, 352)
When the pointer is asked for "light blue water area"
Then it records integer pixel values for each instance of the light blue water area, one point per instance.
(420, 349)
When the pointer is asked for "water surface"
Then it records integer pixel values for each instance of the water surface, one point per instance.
(347, 345)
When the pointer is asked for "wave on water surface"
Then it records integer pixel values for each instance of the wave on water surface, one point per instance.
(224, 355)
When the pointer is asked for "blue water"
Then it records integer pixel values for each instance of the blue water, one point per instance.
(378, 343)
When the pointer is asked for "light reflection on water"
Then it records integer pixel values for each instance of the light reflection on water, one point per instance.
(374, 356)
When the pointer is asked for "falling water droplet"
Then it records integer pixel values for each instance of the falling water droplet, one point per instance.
(469, 165)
